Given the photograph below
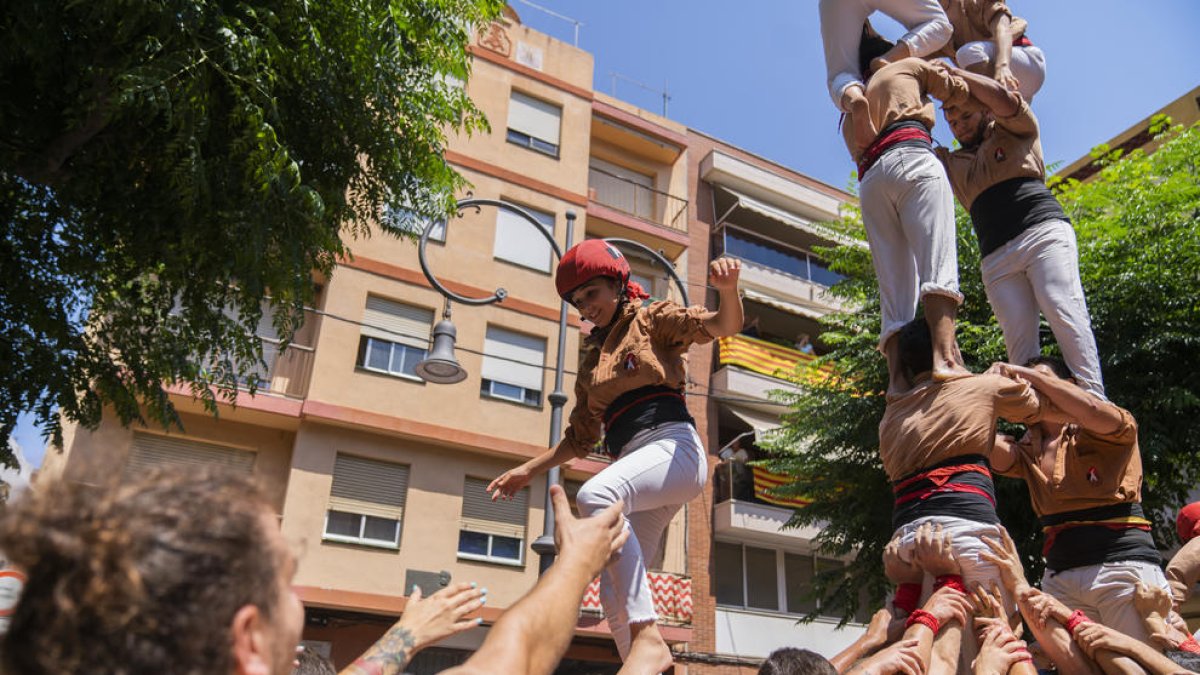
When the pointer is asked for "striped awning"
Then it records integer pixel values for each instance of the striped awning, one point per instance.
(765, 482)
(760, 356)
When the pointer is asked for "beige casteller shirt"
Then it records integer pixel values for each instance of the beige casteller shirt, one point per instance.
(646, 346)
(937, 420)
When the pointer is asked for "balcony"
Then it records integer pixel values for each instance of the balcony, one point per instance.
(635, 198)
(288, 369)
(672, 594)
(757, 523)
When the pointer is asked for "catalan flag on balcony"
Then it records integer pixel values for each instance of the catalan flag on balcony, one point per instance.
(764, 484)
(760, 356)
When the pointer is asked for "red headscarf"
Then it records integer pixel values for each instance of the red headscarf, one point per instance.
(590, 259)
(1188, 522)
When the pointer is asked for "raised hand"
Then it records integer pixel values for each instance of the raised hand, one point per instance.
(723, 273)
(590, 542)
(509, 483)
(999, 650)
(932, 551)
(1004, 556)
(898, 570)
(947, 605)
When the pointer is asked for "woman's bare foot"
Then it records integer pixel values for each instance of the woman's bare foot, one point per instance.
(648, 653)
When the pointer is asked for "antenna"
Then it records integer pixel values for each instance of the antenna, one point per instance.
(666, 96)
(556, 15)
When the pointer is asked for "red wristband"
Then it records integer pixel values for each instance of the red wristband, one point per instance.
(1190, 645)
(907, 596)
(925, 619)
(952, 580)
(1078, 618)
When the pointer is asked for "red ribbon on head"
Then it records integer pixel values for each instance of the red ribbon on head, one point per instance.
(1188, 522)
(635, 292)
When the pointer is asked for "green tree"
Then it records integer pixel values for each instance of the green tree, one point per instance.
(1139, 243)
(165, 165)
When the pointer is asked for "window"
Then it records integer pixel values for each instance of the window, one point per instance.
(152, 450)
(766, 579)
(534, 124)
(492, 531)
(366, 501)
(513, 366)
(517, 242)
(414, 223)
(395, 337)
(786, 259)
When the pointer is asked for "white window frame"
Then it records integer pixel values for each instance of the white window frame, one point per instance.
(780, 582)
(417, 223)
(487, 388)
(525, 139)
(404, 350)
(519, 562)
(361, 539)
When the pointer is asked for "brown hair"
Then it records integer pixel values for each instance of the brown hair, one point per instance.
(140, 577)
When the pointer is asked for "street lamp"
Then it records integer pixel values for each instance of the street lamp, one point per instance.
(440, 367)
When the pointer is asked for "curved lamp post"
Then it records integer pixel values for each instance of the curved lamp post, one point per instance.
(441, 367)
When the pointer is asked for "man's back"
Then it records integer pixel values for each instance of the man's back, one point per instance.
(937, 420)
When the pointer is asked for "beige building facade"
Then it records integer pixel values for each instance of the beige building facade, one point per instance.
(378, 476)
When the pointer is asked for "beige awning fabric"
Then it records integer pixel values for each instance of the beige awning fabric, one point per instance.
(791, 220)
(789, 307)
(761, 423)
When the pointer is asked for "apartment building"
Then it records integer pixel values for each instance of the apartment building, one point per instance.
(378, 476)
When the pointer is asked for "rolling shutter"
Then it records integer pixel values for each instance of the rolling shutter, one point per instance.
(152, 450)
(534, 117)
(369, 487)
(513, 358)
(500, 517)
(397, 322)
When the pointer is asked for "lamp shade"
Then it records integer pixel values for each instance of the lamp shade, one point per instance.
(440, 367)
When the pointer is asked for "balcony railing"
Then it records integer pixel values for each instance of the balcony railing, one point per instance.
(288, 370)
(672, 595)
(641, 201)
(760, 356)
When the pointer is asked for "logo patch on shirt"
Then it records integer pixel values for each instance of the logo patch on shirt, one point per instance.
(630, 362)
(1000, 155)
(1093, 476)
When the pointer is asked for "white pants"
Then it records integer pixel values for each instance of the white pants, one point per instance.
(967, 544)
(841, 32)
(1105, 592)
(1028, 64)
(659, 471)
(908, 212)
(1038, 271)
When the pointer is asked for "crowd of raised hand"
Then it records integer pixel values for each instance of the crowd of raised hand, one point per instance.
(1005, 626)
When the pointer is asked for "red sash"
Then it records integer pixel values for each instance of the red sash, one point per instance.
(886, 141)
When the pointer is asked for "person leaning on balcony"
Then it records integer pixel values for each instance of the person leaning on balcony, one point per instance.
(989, 41)
(630, 388)
(1030, 262)
(907, 204)
(841, 29)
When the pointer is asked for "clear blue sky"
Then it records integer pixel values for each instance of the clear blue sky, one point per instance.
(752, 73)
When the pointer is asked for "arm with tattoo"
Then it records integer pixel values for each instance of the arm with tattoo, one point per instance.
(388, 656)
